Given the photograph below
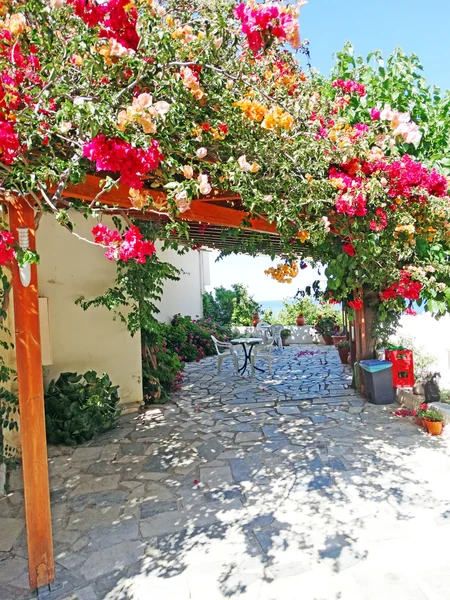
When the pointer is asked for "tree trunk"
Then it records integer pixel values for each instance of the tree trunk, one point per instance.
(371, 302)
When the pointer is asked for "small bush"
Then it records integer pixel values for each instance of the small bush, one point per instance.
(168, 346)
(78, 407)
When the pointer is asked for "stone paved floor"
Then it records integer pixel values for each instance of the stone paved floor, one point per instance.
(283, 488)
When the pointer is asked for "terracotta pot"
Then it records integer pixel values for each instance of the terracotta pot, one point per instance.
(434, 427)
(339, 338)
(344, 353)
(419, 421)
(328, 340)
(300, 320)
(255, 321)
(283, 341)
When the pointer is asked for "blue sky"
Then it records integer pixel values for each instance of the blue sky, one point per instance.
(418, 27)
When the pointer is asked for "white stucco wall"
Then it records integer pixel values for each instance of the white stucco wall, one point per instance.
(82, 340)
(183, 296)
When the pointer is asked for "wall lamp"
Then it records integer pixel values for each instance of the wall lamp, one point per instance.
(24, 243)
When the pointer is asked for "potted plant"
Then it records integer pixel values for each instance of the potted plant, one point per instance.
(419, 415)
(327, 327)
(433, 420)
(300, 320)
(343, 348)
(339, 336)
(255, 318)
(284, 334)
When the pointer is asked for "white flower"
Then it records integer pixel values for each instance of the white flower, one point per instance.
(161, 108)
(205, 187)
(188, 171)
(245, 166)
(387, 114)
(268, 198)
(182, 201)
(326, 224)
(65, 126)
(202, 152)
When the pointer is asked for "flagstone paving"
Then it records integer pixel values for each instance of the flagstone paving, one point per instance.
(283, 487)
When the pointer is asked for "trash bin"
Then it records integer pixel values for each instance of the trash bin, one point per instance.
(378, 380)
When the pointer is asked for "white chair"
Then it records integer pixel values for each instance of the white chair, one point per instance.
(225, 350)
(262, 352)
(262, 330)
(276, 331)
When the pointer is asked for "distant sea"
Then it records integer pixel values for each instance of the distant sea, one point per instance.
(277, 305)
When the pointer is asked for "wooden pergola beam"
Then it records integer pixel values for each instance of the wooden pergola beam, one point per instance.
(31, 404)
(204, 211)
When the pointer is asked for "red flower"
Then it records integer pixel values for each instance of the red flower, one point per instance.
(206, 126)
(357, 304)
(349, 249)
(410, 311)
(424, 406)
(223, 129)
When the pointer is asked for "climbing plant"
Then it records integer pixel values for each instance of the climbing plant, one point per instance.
(190, 97)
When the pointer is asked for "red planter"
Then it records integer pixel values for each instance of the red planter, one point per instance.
(300, 320)
(339, 338)
(328, 340)
(344, 353)
(255, 320)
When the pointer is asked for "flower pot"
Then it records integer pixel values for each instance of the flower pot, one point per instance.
(300, 320)
(328, 340)
(339, 338)
(419, 421)
(434, 427)
(283, 341)
(255, 321)
(344, 354)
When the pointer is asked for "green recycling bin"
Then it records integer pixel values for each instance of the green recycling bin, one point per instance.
(378, 381)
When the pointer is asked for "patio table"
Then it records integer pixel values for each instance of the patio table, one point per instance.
(247, 342)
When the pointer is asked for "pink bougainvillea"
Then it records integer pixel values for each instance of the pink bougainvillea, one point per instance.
(261, 22)
(9, 143)
(410, 311)
(114, 154)
(350, 87)
(118, 19)
(7, 252)
(126, 247)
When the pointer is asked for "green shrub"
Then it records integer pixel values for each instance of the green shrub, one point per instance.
(78, 407)
(168, 345)
(311, 311)
(234, 306)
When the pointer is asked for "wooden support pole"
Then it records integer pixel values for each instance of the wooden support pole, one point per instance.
(31, 405)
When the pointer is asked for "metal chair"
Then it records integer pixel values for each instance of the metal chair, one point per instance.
(225, 350)
(262, 352)
(276, 331)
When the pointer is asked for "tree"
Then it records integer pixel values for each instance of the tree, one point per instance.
(230, 307)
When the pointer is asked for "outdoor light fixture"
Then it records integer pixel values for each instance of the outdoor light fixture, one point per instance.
(24, 243)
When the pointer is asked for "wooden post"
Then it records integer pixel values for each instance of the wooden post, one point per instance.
(31, 404)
